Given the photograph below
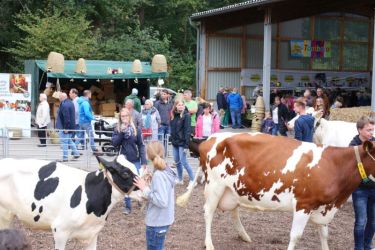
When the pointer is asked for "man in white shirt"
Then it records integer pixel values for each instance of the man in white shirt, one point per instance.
(42, 119)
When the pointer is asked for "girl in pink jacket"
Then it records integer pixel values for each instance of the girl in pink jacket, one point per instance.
(208, 122)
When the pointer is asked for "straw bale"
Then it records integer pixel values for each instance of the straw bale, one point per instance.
(55, 62)
(350, 114)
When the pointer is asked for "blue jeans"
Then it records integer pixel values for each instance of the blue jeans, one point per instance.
(275, 129)
(179, 157)
(163, 131)
(127, 200)
(90, 133)
(155, 237)
(66, 143)
(364, 211)
(80, 136)
(235, 115)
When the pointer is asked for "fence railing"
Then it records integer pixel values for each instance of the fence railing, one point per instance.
(26, 144)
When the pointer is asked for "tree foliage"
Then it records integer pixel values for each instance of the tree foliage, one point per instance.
(42, 33)
(101, 29)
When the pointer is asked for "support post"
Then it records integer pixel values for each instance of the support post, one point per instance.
(373, 71)
(267, 58)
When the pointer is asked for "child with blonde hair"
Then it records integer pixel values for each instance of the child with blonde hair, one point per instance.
(160, 197)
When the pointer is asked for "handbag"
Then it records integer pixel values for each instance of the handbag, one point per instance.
(57, 93)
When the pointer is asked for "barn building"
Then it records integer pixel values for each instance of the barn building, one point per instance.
(291, 44)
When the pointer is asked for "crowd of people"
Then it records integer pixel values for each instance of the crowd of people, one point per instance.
(184, 119)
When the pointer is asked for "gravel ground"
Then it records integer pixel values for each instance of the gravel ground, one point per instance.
(268, 230)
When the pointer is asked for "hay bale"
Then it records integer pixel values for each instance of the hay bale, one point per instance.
(137, 66)
(350, 114)
(159, 63)
(81, 66)
(55, 62)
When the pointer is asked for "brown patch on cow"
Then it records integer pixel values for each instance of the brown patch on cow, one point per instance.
(264, 157)
(275, 198)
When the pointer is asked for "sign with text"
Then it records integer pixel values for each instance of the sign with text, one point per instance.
(295, 78)
(15, 98)
(310, 48)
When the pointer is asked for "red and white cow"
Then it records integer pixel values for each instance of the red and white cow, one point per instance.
(71, 202)
(269, 173)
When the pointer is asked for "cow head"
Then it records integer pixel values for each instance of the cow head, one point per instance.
(122, 171)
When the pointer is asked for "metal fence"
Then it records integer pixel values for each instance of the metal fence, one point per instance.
(24, 144)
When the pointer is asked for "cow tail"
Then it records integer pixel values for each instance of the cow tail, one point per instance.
(183, 199)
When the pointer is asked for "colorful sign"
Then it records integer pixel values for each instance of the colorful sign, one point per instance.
(15, 108)
(310, 48)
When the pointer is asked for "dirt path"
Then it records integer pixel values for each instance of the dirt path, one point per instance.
(268, 230)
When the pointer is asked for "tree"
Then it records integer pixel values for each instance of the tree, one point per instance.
(135, 43)
(42, 33)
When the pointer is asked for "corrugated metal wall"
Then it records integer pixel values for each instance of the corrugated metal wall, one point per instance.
(224, 52)
(225, 79)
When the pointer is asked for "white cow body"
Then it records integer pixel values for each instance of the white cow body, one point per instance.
(37, 203)
(335, 133)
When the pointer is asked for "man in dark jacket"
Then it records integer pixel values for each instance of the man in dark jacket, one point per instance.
(164, 107)
(220, 99)
(280, 116)
(65, 123)
(364, 195)
(304, 125)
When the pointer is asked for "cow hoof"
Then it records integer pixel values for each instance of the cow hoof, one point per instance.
(210, 247)
(245, 237)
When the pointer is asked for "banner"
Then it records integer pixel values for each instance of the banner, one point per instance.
(311, 49)
(295, 79)
(15, 102)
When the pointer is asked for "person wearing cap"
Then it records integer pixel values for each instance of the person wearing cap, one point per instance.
(136, 100)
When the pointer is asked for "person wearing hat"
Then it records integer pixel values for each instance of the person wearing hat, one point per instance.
(136, 101)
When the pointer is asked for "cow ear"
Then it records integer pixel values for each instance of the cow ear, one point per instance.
(368, 146)
(103, 164)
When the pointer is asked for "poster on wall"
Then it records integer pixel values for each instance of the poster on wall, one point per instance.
(310, 48)
(15, 102)
(295, 79)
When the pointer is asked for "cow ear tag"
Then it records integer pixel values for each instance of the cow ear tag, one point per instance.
(362, 172)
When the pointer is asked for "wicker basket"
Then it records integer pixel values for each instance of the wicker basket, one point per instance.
(81, 66)
(15, 133)
(159, 64)
(54, 137)
(137, 66)
(55, 62)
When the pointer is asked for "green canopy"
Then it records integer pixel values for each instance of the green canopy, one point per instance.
(98, 70)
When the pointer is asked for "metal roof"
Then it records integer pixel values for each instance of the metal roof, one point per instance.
(233, 7)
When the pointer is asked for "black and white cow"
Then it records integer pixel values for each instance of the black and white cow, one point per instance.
(51, 196)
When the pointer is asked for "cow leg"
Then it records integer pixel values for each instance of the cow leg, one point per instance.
(60, 239)
(92, 243)
(213, 194)
(323, 234)
(237, 223)
(300, 220)
(6, 218)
